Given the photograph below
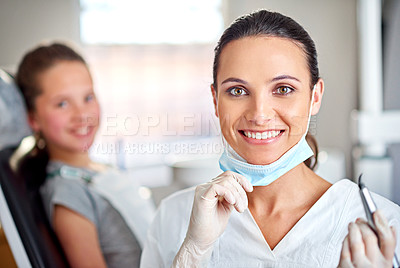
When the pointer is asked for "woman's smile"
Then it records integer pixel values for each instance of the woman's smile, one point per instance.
(261, 137)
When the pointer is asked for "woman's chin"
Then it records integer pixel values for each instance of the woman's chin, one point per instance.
(261, 161)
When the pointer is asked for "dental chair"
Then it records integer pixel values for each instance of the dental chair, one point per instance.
(32, 241)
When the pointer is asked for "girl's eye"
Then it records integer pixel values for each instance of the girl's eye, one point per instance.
(62, 104)
(237, 91)
(284, 90)
(89, 98)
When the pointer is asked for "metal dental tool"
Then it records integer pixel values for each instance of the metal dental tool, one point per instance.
(370, 208)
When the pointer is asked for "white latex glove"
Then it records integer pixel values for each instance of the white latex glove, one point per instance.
(212, 207)
(361, 248)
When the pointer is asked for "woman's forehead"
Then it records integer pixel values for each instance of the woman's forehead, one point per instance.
(263, 55)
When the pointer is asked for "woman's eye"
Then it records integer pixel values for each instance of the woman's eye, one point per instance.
(237, 91)
(284, 90)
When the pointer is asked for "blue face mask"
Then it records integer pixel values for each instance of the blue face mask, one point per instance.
(262, 175)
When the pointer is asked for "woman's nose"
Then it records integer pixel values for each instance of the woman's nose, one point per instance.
(260, 110)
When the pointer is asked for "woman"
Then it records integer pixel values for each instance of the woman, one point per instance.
(266, 86)
(64, 114)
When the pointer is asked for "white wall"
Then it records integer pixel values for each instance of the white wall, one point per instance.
(333, 26)
(391, 81)
(25, 23)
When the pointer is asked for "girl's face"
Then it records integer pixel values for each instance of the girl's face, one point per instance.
(263, 97)
(67, 112)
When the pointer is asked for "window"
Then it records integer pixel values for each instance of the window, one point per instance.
(152, 67)
(150, 21)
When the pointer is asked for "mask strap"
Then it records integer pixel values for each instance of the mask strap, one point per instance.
(309, 112)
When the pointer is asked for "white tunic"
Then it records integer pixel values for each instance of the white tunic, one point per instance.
(315, 240)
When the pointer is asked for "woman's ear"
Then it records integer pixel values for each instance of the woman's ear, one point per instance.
(318, 93)
(215, 99)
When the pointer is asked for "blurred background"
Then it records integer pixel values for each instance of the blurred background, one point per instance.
(152, 67)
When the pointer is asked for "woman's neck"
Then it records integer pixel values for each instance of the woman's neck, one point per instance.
(300, 187)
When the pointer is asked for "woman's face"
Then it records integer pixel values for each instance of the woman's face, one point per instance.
(264, 96)
(67, 112)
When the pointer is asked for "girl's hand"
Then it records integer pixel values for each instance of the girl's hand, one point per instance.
(361, 247)
(212, 206)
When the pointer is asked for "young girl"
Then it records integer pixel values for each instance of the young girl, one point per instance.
(64, 114)
(266, 86)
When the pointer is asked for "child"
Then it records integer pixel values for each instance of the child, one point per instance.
(64, 114)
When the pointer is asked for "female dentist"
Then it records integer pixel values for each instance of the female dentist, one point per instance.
(266, 86)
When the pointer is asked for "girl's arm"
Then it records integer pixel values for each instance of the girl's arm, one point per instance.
(78, 238)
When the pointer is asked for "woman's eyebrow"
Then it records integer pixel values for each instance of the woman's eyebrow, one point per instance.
(236, 80)
(284, 76)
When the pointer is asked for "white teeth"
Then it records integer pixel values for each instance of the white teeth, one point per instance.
(261, 135)
(82, 131)
(264, 135)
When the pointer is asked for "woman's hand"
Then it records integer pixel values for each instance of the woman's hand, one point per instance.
(361, 247)
(212, 206)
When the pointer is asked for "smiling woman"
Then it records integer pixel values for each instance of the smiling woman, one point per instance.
(273, 100)
(266, 86)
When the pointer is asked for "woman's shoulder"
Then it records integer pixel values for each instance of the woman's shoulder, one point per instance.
(168, 228)
(180, 200)
(175, 209)
(348, 191)
(350, 186)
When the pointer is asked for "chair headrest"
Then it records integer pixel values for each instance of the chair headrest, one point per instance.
(13, 120)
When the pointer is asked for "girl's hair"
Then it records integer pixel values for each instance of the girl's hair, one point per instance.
(266, 23)
(33, 64)
(37, 61)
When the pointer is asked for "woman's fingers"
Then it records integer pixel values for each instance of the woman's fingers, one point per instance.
(362, 248)
(345, 255)
(370, 240)
(357, 247)
(245, 183)
(230, 187)
(241, 185)
(239, 193)
(386, 238)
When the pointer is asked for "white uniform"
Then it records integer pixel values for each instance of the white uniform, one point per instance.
(315, 240)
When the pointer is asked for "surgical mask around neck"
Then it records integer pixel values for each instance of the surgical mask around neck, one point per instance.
(262, 175)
